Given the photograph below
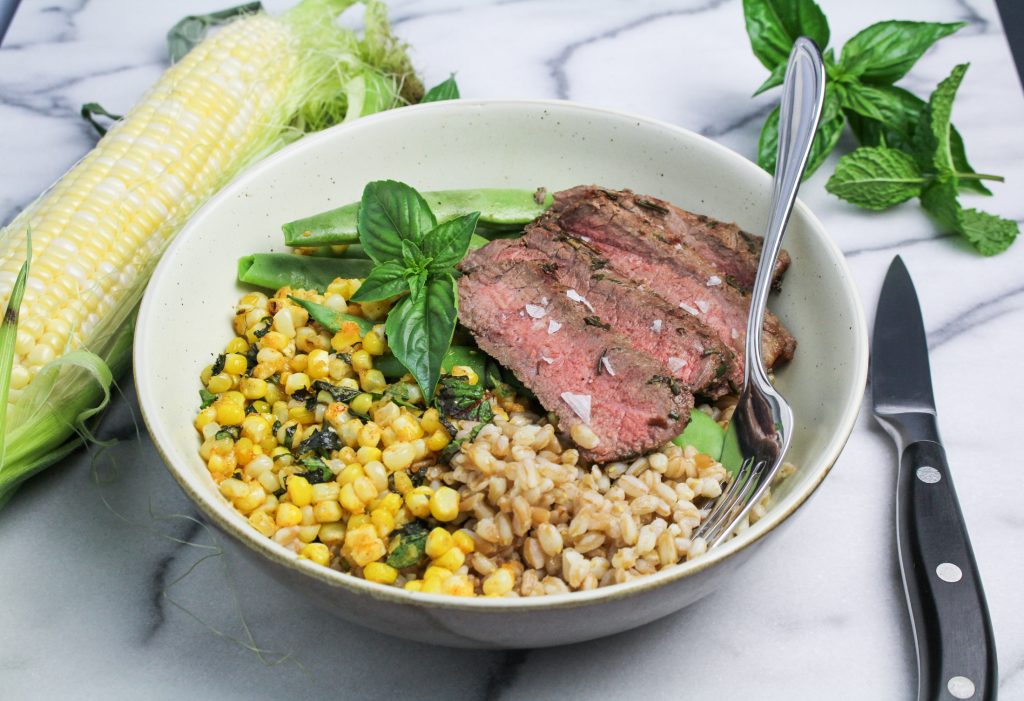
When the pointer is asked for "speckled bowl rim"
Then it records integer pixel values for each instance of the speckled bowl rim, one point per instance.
(279, 555)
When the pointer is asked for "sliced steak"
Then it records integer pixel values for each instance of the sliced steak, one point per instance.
(687, 281)
(633, 406)
(688, 349)
(731, 252)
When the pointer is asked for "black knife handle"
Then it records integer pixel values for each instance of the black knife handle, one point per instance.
(956, 653)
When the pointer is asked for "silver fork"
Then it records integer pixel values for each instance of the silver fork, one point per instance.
(761, 427)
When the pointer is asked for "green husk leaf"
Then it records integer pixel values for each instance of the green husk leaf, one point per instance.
(876, 178)
(191, 30)
(368, 93)
(8, 337)
(89, 112)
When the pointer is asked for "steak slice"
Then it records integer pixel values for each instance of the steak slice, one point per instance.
(731, 252)
(633, 406)
(683, 280)
(689, 350)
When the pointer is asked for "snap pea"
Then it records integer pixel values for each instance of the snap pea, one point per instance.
(498, 208)
(351, 251)
(703, 433)
(276, 270)
(456, 355)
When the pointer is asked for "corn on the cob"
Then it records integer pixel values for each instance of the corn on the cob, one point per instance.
(97, 233)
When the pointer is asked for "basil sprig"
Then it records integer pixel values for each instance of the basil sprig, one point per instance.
(909, 147)
(413, 253)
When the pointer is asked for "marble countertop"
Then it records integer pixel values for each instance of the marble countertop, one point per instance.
(113, 588)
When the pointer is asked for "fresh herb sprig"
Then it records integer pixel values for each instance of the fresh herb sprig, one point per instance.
(413, 254)
(909, 147)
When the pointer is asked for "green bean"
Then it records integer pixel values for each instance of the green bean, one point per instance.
(276, 270)
(330, 319)
(498, 209)
(703, 433)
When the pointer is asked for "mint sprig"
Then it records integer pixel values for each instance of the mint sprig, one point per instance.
(415, 255)
(909, 147)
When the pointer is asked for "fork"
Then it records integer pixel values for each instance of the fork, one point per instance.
(761, 426)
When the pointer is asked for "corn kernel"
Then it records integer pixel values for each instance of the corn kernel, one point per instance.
(383, 520)
(367, 454)
(346, 337)
(296, 381)
(414, 585)
(252, 387)
(219, 383)
(361, 404)
(467, 372)
(326, 491)
(244, 451)
(380, 572)
(274, 340)
(439, 541)
(377, 474)
(302, 415)
(430, 421)
(403, 483)
(229, 413)
(432, 585)
(391, 502)
(452, 560)
(263, 522)
(347, 497)
(300, 490)
(255, 428)
(237, 345)
(288, 515)
(318, 364)
(407, 428)
(206, 374)
(398, 456)
(204, 417)
(435, 572)
(463, 541)
(499, 582)
(332, 533)
(457, 585)
(369, 435)
(364, 489)
(317, 552)
(363, 545)
(235, 364)
(438, 440)
(372, 381)
(373, 343)
(444, 504)
(327, 512)
(349, 473)
(361, 360)
(418, 504)
(233, 488)
(236, 397)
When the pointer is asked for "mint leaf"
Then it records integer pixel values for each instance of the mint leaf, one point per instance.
(829, 129)
(448, 242)
(445, 90)
(959, 153)
(931, 138)
(988, 233)
(884, 52)
(391, 212)
(876, 178)
(420, 327)
(385, 280)
(773, 26)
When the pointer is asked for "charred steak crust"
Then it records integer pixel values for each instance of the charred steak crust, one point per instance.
(631, 412)
(730, 250)
(688, 350)
(642, 253)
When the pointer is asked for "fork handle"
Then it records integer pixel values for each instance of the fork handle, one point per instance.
(956, 654)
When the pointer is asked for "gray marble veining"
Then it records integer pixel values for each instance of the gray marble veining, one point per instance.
(112, 588)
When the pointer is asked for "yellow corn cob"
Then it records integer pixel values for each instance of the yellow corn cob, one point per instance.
(97, 233)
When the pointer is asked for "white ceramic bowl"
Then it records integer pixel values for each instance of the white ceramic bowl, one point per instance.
(188, 307)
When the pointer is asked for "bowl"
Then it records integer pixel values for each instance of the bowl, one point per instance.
(187, 309)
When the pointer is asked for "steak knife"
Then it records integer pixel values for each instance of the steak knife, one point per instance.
(956, 654)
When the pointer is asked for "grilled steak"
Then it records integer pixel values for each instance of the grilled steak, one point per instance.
(729, 250)
(570, 362)
(688, 350)
(646, 255)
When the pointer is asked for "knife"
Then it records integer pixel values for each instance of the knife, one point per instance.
(956, 653)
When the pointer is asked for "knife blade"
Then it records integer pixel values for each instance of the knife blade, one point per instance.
(956, 654)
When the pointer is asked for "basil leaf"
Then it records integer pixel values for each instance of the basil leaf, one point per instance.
(445, 90)
(864, 100)
(448, 242)
(391, 212)
(884, 52)
(776, 78)
(773, 26)
(831, 126)
(385, 280)
(419, 330)
(330, 319)
(412, 256)
(876, 178)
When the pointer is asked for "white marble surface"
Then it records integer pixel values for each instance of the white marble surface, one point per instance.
(111, 588)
